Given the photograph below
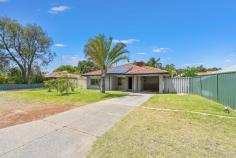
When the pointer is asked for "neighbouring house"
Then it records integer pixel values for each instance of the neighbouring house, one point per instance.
(129, 77)
(79, 80)
(224, 70)
(227, 69)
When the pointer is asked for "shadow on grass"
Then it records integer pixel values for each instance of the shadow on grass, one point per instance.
(110, 95)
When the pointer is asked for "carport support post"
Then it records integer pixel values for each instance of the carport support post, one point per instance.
(109, 82)
(133, 86)
(135, 83)
(161, 84)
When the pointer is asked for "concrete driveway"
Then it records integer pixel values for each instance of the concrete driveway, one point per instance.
(69, 134)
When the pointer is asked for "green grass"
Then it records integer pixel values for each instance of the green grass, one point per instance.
(187, 102)
(151, 133)
(77, 98)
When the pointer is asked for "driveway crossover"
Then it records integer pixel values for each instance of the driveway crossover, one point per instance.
(69, 134)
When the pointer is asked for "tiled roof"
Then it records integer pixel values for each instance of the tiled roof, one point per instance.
(61, 74)
(133, 70)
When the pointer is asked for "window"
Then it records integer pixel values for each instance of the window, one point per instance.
(94, 82)
(119, 81)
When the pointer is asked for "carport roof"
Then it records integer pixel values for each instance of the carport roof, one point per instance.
(128, 69)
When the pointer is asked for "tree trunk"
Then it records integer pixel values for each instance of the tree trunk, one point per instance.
(24, 75)
(103, 81)
(29, 71)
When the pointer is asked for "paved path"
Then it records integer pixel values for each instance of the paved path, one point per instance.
(66, 135)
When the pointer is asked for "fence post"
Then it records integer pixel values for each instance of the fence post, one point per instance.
(217, 87)
(201, 85)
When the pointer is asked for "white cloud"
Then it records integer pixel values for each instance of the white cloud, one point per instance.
(127, 41)
(60, 45)
(161, 50)
(3, 1)
(228, 60)
(58, 9)
(142, 53)
(193, 64)
(70, 59)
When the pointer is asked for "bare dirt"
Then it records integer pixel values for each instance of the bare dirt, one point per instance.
(18, 115)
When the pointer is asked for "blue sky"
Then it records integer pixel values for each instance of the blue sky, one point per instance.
(182, 32)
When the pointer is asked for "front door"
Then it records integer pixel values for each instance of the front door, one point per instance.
(130, 84)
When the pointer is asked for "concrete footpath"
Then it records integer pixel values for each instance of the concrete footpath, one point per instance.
(69, 134)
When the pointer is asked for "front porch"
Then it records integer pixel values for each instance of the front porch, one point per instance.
(133, 83)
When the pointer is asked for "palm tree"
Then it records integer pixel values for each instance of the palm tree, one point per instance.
(154, 62)
(102, 52)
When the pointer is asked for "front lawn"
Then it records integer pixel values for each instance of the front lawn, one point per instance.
(27, 105)
(77, 98)
(155, 133)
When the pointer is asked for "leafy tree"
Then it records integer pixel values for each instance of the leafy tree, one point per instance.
(65, 85)
(26, 46)
(104, 54)
(3, 78)
(4, 63)
(190, 72)
(201, 68)
(15, 75)
(68, 68)
(154, 62)
(171, 69)
(61, 85)
(51, 84)
(37, 76)
(85, 66)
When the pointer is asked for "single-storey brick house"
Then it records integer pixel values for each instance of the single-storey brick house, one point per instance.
(129, 77)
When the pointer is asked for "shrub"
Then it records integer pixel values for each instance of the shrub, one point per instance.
(51, 84)
(3, 78)
(61, 85)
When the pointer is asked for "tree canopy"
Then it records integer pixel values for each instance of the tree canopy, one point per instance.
(26, 46)
(68, 68)
(85, 66)
(4, 63)
(170, 68)
(154, 62)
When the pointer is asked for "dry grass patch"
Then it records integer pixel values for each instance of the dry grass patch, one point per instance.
(27, 105)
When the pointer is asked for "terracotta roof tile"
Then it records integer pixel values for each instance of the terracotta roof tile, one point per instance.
(61, 74)
(134, 70)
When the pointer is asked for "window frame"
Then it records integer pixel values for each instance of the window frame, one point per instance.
(94, 82)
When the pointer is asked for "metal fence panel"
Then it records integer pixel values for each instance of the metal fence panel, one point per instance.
(227, 89)
(209, 87)
(218, 87)
(20, 86)
(195, 85)
(176, 85)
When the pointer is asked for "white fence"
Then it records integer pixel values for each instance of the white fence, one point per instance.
(177, 85)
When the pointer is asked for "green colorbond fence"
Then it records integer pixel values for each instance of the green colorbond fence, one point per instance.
(20, 86)
(218, 87)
